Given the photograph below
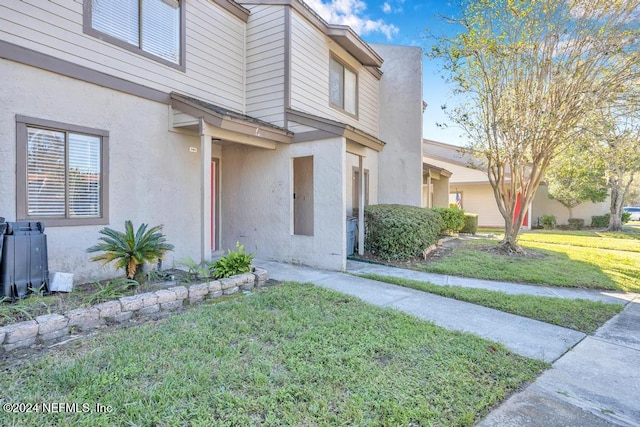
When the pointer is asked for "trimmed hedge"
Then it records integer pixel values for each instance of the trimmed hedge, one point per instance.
(470, 223)
(548, 222)
(576, 223)
(601, 221)
(453, 219)
(400, 232)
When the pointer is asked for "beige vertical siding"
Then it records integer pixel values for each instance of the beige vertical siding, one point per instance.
(214, 46)
(310, 53)
(479, 199)
(266, 63)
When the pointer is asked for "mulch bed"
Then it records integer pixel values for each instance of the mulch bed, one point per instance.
(60, 302)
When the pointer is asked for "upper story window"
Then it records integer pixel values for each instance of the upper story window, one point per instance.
(153, 28)
(343, 87)
(62, 170)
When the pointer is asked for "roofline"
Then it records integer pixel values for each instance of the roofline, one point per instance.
(343, 35)
(233, 121)
(441, 171)
(234, 8)
(331, 128)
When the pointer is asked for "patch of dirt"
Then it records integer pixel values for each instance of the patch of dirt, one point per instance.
(59, 302)
(443, 248)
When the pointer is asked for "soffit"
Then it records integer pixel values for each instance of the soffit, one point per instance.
(228, 120)
(328, 128)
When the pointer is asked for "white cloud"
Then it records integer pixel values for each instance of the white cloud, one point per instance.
(386, 7)
(351, 13)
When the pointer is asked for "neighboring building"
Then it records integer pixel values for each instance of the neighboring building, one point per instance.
(470, 184)
(255, 122)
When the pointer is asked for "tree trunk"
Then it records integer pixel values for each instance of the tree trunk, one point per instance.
(509, 245)
(615, 207)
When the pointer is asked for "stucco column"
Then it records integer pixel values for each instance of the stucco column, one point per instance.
(361, 207)
(205, 197)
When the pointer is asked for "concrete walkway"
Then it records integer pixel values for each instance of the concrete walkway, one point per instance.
(356, 267)
(594, 380)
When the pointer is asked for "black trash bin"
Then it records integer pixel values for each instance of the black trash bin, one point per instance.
(24, 263)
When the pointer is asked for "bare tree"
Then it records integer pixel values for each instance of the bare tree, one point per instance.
(530, 71)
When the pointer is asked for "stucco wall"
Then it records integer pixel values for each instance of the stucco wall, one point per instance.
(256, 202)
(153, 177)
(400, 162)
(543, 205)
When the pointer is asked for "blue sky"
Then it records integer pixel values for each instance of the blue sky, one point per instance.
(401, 22)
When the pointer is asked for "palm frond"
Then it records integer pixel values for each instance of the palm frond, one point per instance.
(129, 250)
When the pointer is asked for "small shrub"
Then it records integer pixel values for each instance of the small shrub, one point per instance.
(576, 223)
(130, 250)
(548, 222)
(235, 262)
(453, 219)
(196, 270)
(600, 221)
(470, 223)
(400, 232)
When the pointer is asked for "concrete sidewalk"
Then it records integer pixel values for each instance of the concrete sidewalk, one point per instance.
(357, 267)
(596, 383)
(594, 380)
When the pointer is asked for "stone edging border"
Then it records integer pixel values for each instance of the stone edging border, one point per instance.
(51, 327)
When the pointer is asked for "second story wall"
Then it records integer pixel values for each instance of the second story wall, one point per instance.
(266, 63)
(311, 51)
(401, 125)
(214, 68)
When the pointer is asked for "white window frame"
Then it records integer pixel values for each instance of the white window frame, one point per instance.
(138, 48)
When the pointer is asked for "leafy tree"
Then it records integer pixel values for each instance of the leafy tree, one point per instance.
(576, 176)
(530, 71)
(615, 139)
(633, 196)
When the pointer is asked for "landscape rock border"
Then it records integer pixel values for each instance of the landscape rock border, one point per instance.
(50, 328)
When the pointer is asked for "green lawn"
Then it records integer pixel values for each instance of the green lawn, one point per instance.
(294, 354)
(581, 315)
(582, 259)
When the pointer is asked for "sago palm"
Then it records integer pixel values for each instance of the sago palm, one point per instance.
(131, 250)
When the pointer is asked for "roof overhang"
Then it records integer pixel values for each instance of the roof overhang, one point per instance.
(229, 125)
(234, 8)
(343, 35)
(352, 43)
(426, 167)
(327, 128)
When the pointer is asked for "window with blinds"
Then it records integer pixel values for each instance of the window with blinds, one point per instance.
(64, 174)
(343, 87)
(152, 26)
